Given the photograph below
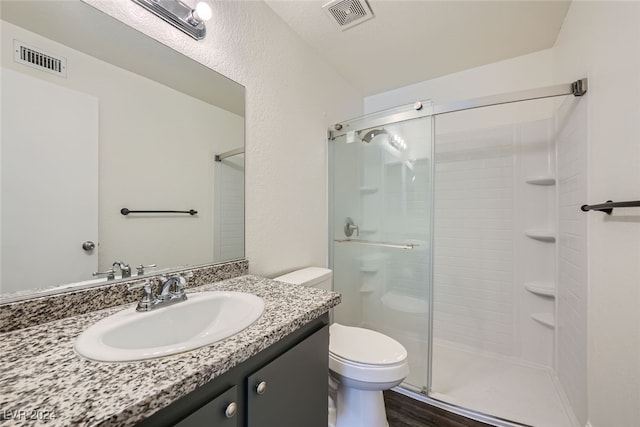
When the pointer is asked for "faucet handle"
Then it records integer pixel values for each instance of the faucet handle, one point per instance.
(141, 268)
(181, 284)
(111, 274)
(126, 270)
(147, 295)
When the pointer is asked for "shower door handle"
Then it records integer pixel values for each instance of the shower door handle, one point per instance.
(350, 227)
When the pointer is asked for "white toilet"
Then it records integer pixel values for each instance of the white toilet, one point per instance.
(362, 361)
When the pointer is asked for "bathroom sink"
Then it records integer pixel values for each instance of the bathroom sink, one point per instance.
(204, 318)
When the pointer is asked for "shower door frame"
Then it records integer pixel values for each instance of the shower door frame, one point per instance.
(419, 110)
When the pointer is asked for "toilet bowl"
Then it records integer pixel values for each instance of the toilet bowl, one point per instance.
(362, 362)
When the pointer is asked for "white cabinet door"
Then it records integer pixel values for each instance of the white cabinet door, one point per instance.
(48, 183)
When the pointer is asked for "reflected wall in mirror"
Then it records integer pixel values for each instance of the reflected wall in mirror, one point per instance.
(130, 123)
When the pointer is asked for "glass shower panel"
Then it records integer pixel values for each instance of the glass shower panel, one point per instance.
(494, 263)
(381, 233)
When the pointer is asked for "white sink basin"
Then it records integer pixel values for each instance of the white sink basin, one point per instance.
(204, 318)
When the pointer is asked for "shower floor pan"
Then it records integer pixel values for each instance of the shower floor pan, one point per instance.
(498, 386)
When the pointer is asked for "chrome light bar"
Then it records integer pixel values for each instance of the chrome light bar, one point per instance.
(177, 14)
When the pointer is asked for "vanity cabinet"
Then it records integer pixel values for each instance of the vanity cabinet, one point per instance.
(292, 390)
(284, 385)
(222, 411)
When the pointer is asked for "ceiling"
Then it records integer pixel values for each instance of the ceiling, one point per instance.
(412, 41)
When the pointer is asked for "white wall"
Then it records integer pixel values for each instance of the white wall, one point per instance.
(601, 40)
(292, 97)
(523, 72)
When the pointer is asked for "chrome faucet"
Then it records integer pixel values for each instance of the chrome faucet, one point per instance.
(166, 297)
(165, 287)
(125, 270)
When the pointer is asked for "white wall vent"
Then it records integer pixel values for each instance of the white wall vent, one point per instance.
(348, 13)
(36, 58)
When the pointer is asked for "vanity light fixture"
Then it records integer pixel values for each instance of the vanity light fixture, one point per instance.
(180, 15)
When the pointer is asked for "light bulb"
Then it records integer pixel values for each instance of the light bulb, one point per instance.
(202, 11)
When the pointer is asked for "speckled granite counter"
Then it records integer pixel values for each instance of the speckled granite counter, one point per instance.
(40, 370)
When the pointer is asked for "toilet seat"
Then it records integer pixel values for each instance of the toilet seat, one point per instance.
(365, 355)
(364, 346)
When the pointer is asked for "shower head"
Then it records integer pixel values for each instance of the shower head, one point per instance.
(368, 135)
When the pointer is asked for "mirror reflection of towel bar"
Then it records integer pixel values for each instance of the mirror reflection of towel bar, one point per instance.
(380, 244)
(125, 211)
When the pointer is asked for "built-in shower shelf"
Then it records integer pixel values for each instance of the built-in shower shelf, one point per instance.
(546, 319)
(367, 288)
(368, 190)
(541, 235)
(369, 270)
(541, 289)
(541, 180)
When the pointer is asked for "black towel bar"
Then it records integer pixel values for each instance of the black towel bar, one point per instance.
(125, 211)
(609, 206)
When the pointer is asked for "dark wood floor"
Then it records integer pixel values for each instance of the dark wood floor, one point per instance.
(402, 411)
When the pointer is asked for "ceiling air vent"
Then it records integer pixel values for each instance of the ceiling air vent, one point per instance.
(36, 58)
(348, 13)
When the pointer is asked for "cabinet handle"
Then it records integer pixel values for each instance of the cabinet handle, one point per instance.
(231, 410)
(262, 387)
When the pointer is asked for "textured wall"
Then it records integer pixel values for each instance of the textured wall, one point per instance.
(600, 40)
(292, 96)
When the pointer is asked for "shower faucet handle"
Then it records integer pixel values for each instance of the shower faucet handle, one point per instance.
(350, 227)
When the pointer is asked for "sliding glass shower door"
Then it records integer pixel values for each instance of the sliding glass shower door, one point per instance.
(381, 195)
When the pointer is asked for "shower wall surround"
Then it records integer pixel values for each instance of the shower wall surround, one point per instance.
(572, 295)
(484, 264)
(285, 133)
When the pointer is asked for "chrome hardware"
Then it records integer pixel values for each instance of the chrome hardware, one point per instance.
(141, 268)
(417, 106)
(111, 274)
(379, 244)
(178, 14)
(337, 126)
(349, 227)
(147, 301)
(125, 270)
(166, 297)
(231, 410)
(261, 388)
(88, 246)
(165, 286)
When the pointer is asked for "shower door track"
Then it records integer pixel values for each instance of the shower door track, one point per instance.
(577, 88)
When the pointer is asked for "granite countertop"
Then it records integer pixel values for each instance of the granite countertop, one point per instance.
(42, 375)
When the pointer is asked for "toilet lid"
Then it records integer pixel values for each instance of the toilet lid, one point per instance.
(364, 346)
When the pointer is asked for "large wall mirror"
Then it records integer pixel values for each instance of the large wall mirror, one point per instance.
(96, 117)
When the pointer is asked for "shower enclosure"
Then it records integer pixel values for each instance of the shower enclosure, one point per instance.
(442, 237)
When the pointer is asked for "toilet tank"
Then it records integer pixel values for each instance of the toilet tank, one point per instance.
(316, 277)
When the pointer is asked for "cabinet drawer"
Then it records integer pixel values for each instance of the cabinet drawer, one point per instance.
(291, 391)
(220, 412)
